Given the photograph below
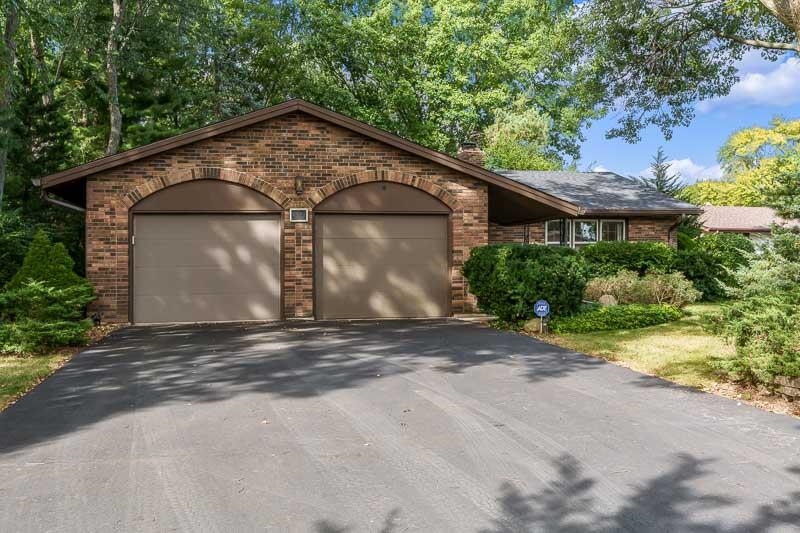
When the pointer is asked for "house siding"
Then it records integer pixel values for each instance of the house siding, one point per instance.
(268, 156)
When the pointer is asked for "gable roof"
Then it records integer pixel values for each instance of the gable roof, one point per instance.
(602, 192)
(297, 105)
(741, 219)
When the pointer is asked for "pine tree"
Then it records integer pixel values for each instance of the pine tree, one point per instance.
(660, 177)
(46, 262)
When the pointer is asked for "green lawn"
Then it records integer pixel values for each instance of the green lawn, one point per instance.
(679, 351)
(18, 374)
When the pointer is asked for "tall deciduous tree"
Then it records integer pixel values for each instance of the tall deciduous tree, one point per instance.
(8, 59)
(112, 77)
(518, 140)
(753, 160)
(656, 58)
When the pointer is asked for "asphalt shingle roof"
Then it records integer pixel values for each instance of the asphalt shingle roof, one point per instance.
(598, 191)
(742, 219)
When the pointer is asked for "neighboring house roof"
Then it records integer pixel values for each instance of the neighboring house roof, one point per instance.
(740, 219)
(602, 192)
(56, 181)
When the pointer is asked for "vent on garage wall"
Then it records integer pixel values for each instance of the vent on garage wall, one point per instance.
(298, 215)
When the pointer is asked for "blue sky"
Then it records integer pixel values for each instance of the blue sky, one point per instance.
(765, 89)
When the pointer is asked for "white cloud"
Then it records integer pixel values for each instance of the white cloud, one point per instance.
(689, 170)
(600, 168)
(762, 83)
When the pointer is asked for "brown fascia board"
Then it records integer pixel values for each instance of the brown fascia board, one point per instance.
(291, 106)
(643, 212)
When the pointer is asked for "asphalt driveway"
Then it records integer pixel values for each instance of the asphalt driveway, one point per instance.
(392, 426)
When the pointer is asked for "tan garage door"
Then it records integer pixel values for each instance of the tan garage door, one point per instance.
(381, 266)
(206, 268)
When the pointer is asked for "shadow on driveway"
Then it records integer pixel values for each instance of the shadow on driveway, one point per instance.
(140, 367)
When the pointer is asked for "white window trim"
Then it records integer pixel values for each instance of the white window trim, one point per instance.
(616, 221)
(567, 228)
(570, 225)
(575, 240)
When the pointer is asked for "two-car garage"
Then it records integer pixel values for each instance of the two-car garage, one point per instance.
(210, 251)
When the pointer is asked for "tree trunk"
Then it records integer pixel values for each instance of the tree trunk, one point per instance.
(112, 60)
(41, 67)
(6, 93)
(787, 11)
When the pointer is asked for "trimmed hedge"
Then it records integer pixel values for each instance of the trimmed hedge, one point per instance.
(614, 317)
(508, 279)
(607, 258)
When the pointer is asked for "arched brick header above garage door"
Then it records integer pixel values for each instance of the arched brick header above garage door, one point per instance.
(207, 196)
(382, 197)
(370, 176)
(178, 176)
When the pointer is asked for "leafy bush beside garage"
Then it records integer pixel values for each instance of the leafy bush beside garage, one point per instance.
(507, 279)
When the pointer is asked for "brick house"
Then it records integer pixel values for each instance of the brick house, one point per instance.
(295, 212)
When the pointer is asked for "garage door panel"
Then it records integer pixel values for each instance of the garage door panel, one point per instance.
(161, 308)
(391, 251)
(204, 268)
(226, 228)
(203, 281)
(372, 266)
(382, 226)
(230, 256)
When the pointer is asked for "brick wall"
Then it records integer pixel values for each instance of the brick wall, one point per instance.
(653, 229)
(639, 229)
(268, 157)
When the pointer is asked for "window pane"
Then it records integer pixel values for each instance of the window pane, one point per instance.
(553, 232)
(585, 231)
(613, 230)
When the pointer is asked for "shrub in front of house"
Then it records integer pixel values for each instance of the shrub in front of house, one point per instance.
(44, 303)
(762, 322)
(710, 262)
(36, 300)
(607, 258)
(629, 288)
(507, 279)
(615, 317)
(34, 336)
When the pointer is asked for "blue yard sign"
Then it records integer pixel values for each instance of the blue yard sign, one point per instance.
(541, 308)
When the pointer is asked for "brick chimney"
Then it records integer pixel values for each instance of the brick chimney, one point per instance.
(471, 153)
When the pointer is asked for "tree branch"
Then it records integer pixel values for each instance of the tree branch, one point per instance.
(758, 43)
